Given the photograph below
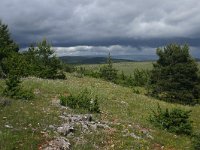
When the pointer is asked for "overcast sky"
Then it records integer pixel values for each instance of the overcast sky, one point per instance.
(84, 27)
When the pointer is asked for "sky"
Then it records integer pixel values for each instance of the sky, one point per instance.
(96, 27)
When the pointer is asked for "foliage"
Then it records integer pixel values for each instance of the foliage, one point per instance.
(83, 100)
(13, 86)
(15, 64)
(196, 141)
(7, 45)
(107, 72)
(63, 100)
(176, 120)
(69, 68)
(42, 61)
(141, 77)
(14, 90)
(175, 75)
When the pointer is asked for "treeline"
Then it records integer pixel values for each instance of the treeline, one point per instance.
(140, 77)
(39, 60)
(174, 77)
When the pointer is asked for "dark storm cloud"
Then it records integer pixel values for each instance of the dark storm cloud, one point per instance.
(135, 23)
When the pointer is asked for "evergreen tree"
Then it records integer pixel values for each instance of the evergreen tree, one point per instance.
(107, 72)
(175, 75)
(7, 46)
(42, 61)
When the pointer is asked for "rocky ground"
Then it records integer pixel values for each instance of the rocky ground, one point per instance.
(85, 124)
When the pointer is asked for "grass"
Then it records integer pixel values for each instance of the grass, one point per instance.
(127, 111)
(127, 67)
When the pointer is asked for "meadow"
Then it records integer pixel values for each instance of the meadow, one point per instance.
(24, 124)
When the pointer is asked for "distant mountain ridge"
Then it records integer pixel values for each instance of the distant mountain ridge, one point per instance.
(103, 59)
(90, 59)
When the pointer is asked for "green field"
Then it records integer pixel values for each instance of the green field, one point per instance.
(127, 67)
(127, 111)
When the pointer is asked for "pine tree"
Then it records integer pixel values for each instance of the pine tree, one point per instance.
(107, 72)
(43, 62)
(175, 75)
(7, 45)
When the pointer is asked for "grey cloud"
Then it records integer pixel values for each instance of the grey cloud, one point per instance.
(133, 23)
(103, 50)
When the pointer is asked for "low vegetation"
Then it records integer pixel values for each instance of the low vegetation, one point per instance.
(84, 100)
(175, 120)
(196, 141)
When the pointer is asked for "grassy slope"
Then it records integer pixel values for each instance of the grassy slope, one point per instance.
(118, 104)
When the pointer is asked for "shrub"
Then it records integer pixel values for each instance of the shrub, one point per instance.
(14, 90)
(141, 77)
(176, 120)
(12, 86)
(69, 68)
(196, 141)
(83, 100)
(63, 100)
(25, 95)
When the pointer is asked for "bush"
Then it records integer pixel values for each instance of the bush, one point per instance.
(83, 100)
(196, 141)
(63, 100)
(14, 90)
(176, 120)
(25, 95)
(12, 86)
(141, 77)
(69, 68)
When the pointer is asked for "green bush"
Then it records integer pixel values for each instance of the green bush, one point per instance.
(141, 77)
(14, 90)
(12, 86)
(84, 100)
(176, 120)
(25, 95)
(196, 141)
(63, 100)
(69, 68)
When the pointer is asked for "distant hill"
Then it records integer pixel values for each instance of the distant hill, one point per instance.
(103, 59)
(89, 60)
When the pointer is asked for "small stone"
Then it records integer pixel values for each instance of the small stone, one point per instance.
(59, 143)
(104, 126)
(51, 127)
(93, 126)
(135, 136)
(8, 126)
(65, 129)
(149, 136)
